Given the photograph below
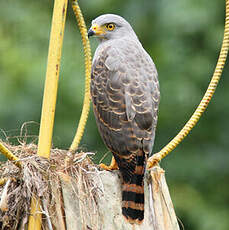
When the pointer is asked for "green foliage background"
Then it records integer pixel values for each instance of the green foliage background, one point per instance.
(184, 39)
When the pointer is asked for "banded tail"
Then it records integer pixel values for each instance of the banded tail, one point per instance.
(133, 201)
(133, 189)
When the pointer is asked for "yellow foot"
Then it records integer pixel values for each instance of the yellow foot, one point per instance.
(112, 166)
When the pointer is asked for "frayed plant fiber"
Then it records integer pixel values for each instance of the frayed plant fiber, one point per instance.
(46, 180)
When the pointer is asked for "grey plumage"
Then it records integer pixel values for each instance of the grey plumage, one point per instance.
(125, 95)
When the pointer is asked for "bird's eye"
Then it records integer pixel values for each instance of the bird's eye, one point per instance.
(110, 26)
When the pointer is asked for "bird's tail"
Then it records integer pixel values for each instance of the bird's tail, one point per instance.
(133, 190)
(132, 170)
(133, 199)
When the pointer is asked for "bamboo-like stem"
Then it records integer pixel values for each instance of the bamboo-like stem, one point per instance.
(52, 77)
(7, 153)
(35, 220)
(49, 99)
(204, 102)
(3, 180)
(87, 61)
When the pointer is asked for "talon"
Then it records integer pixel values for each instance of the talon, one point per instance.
(112, 166)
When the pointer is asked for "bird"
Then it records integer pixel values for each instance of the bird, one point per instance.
(125, 96)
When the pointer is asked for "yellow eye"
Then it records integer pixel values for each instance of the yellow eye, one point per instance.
(110, 26)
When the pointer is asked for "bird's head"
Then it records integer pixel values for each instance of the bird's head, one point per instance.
(110, 26)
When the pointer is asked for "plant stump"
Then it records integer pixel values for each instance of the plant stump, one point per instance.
(159, 211)
(73, 194)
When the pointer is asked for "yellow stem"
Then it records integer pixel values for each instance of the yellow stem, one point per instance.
(204, 102)
(35, 220)
(6, 152)
(49, 99)
(3, 180)
(87, 59)
(52, 77)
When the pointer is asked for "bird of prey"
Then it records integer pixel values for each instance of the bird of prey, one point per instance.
(125, 96)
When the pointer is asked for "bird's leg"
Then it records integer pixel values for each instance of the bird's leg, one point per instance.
(113, 165)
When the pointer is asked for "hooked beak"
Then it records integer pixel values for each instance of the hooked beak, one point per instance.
(96, 30)
(90, 32)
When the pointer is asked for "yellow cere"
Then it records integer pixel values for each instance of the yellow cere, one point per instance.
(99, 30)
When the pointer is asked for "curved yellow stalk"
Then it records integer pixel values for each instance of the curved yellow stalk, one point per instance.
(7, 153)
(87, 59)
(49, 99)
(204, 102)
